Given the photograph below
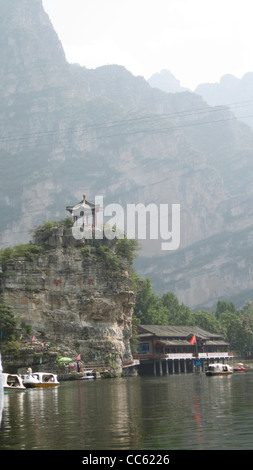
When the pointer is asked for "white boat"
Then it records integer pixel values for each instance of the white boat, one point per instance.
(40, 380)
(12, 383)
(219, 369)
(88, 375)
(239, 367)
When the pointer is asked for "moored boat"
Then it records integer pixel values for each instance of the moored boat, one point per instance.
(40, 380)
(239, 367)
(87, 375)
(12, 383)
(219, 369)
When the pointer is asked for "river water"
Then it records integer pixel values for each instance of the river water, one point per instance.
(187, 411)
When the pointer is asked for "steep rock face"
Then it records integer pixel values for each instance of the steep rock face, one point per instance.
(199, 279)
(77, 298)
(66, 130)
(26, 33)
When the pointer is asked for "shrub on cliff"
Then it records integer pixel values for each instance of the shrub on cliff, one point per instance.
(46, 229)
(8, 321)
(28, 251)
(103, 253)
(127, 248)
(115, 258)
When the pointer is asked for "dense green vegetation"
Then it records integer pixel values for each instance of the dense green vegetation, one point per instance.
(46, 229)
(235, 325)
(8, 320)
(8, 331)
(28, 251)
(116, 258)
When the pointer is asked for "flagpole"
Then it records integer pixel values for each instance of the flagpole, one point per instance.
(196, 347)
(192, 342)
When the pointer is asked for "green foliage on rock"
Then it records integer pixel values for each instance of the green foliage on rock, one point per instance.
(27, 251)
(127, 248)
(8, 321)
(117, 256)
(46, 229)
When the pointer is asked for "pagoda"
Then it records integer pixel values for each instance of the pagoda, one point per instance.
(86, 211)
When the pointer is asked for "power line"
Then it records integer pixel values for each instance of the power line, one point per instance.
(142, 130)
(161, 130)
(112, 124)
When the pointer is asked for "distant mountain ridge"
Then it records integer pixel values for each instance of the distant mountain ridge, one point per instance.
(233, 92)
(166, 81)
(68, 131)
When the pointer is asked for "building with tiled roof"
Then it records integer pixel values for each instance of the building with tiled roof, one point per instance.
(170, 349)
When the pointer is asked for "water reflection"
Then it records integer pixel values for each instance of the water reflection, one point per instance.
(198, 419)
(175, 412)
(212, 410)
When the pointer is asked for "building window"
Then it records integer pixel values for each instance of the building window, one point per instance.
(143, 348)
(158, 350)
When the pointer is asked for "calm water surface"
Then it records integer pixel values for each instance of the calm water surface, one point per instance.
(167, 413)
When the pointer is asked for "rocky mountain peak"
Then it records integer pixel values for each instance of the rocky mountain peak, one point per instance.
(166, 81)
(29, 45)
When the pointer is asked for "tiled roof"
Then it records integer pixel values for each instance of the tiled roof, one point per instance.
(177, 331)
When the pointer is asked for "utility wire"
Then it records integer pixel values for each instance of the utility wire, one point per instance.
(146, 119)
(58, 138)
(111, 124)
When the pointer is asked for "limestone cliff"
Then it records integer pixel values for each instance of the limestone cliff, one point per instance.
(75, 296)
(196, 274)
(66, 129)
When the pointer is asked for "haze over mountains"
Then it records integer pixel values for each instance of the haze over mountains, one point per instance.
(232, 91)
(166, 81)
(68, 131)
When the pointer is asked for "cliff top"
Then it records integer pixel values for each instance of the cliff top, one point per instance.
(52, 235)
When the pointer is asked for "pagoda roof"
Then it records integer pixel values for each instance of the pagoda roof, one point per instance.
(83, 205)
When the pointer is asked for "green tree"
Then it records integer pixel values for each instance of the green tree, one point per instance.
(127, 248)
(8, 321)
(233, 331)
(148, 307)
(247, 323)
(246, 305)
(207, 321)
(223, 306)
(166, 310)
(177, 314)
(134, 341)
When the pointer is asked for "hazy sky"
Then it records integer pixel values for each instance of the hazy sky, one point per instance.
(197, 40)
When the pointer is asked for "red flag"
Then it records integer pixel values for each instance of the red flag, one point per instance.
(193, 340)
(33, 339)
(79, 357)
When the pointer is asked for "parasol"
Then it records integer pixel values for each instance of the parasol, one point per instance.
(65, 359)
